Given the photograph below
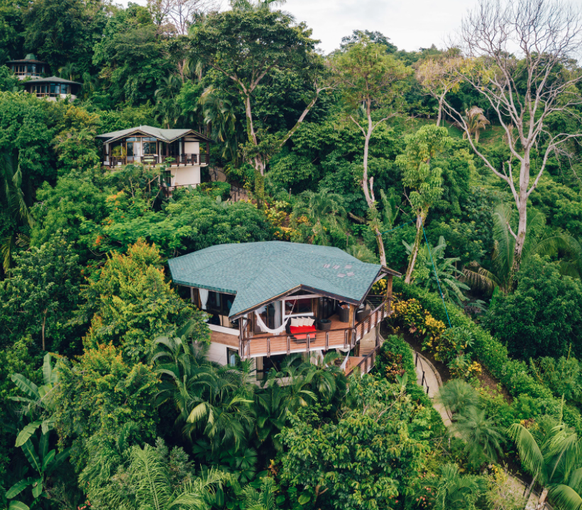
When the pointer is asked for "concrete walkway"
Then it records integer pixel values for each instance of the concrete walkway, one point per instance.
(428, 377)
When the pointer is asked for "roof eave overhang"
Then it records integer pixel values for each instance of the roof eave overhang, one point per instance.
(131, 133)
(205, 287)
(307, 288)
(190, 131)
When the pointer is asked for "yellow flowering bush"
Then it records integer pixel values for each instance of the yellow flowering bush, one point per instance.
(379, 287)
(446, 345)
(278, 217)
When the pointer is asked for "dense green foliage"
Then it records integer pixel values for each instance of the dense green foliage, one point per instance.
(108, 397)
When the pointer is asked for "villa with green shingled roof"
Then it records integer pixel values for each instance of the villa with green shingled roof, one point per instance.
(271, 299)
(184, 151)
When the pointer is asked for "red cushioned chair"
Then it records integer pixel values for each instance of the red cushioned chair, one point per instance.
(299, 333)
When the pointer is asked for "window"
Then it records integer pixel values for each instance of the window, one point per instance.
(130, 149)
(326, 307)
(63, 88)
(231, 357)
(297, 306)
(149, 148)
(219, 303)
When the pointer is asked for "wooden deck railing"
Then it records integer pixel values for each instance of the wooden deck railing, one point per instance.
(369, 360)
(340, 338)
(155, 159)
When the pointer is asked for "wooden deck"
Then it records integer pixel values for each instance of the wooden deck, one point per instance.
(341, 336)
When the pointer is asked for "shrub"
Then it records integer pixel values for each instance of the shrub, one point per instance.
(493, 355)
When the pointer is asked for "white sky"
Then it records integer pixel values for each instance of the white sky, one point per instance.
(409, 24)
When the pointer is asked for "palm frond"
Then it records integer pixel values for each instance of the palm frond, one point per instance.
(565, 498)
(528, 448)
(152, 486)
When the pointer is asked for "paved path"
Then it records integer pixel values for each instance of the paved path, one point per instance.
(428, 377)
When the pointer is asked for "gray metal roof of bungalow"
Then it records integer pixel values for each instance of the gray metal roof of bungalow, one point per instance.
(258, 273)
(165, 135)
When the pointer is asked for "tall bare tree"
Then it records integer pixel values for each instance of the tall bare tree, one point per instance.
(179, 14)
(521, 61)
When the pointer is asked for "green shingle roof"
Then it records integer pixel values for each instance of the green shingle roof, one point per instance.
(52, 79)
(260, 272)
(166, 135)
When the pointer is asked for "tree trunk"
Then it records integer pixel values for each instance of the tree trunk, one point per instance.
(368, 189)
(440, 114)
(415, 248)
(528, 491)
(43, 328)
(542, 500)
(521, 203)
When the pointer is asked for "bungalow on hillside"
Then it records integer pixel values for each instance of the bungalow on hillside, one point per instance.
(184, 150)
(28, 67)
(53, 88)
(267, 300)
(35, 71)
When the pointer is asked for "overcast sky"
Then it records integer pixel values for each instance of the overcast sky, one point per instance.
(410, 24)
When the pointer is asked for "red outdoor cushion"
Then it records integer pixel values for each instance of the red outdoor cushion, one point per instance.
(302, 329)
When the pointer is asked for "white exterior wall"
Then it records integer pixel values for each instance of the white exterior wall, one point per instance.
(185, 175)
(61, 96)
(217, 353)
(191, 147)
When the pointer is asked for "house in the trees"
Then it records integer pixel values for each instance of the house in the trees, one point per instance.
(28, 67)
(35, 73)
(184, 150)
(271, 299)
(53, 88)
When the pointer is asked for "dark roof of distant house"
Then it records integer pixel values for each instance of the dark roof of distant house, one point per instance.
(52, 79)
(30, 59)
(259, 273)
(165, 135)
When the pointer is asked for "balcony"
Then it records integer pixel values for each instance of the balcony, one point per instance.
(340, 336)
(155, 159)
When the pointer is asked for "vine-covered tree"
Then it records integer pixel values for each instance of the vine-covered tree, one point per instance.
(422, 179)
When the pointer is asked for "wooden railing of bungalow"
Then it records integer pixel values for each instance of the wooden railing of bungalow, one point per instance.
(339, 338)
(154, 159)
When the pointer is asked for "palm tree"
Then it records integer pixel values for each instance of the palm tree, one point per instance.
(503, 251)
(168, 110)
(37, 405)
(220, 114)
(323, 211)
(13, 201)
(68, 71)
(147, 484)
(552, 460)
(456, 492)
(431, 260)
(481, 435)
(211, 399)
(457, 395)
(222, 412)
(476, 122)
